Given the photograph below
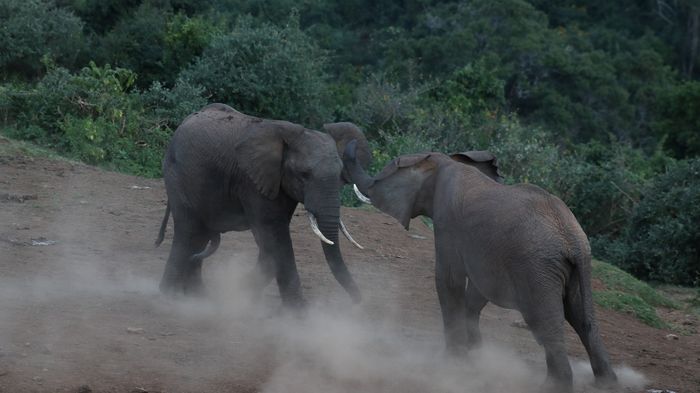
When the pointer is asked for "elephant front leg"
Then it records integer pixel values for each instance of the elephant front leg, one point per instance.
(475, 302)
(277, 256)
(261, 275)
(450, 281)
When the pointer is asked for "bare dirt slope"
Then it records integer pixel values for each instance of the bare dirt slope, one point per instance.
(80, 310)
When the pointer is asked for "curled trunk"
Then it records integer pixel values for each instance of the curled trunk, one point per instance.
(362, 180)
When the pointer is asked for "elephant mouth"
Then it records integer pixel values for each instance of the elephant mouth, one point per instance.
(317, 231)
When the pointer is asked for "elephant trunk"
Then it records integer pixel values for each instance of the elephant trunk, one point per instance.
(340, 271)
(324, 206)
(362, 180)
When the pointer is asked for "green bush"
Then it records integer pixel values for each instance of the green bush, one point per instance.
(381, 105)
(679, 119)
(97, 115)
(602, 184)
(137, 43)
(664, 235)
(87, 139)
(33, 29)
(264, 70)
(169, 107)
(93, 92)
(185, 39)
(525, 154)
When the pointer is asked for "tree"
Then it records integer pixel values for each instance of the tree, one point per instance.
(33, 29)
(264, 70)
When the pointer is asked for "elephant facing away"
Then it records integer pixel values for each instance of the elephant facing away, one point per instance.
(227, 171)
(519, 247)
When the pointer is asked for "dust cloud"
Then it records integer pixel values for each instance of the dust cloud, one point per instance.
(83, 319)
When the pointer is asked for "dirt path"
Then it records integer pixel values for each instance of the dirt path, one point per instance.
(80, 310)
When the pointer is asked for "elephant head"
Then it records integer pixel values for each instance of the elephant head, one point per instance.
(345, 132)
(285, 160)
(404, 188)
(482, 160)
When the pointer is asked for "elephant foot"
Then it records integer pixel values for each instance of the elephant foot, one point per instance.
(193, 287)
(607, 381)
(457, 344)
(457, 351)
(551, 385)
(297, 306)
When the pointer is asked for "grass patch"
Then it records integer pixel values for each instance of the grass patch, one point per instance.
(626, 294)
(616, 279)
(630, 304)
(688, 298)
(11, 147)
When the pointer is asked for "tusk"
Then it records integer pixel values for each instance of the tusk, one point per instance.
(314, 227)
(360, 195)
(347, 234)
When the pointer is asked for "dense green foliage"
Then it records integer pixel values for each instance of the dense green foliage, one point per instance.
(265, 70)
(596, 101)
(662, 241)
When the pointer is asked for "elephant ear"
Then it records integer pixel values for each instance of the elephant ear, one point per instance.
(482, 160)
(396, 188)
(343, 133)
(261, 150)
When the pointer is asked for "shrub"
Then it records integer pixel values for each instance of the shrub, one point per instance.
(264, 70)
(664, 235)
(679, 119)
(98, 116)
(602, 183)
(137, 43)
(168, 107)
(525, 154)
(185, 39)
(93, 92)
(32, 29)
(382, 106)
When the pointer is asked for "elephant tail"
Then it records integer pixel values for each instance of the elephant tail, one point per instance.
(582, 266)
(211, 248)
(161, 233)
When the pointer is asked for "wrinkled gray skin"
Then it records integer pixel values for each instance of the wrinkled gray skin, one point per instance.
(227, 171)
(519, 246)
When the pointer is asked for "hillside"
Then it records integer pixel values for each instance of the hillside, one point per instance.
(80, 310)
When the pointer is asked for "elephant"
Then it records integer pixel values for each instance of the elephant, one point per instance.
(518, 247)
(228, 171)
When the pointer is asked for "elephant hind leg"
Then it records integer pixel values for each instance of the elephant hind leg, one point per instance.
(450, 281)
(475, 302)
(581, 317)
(545, 316)
(183, 274)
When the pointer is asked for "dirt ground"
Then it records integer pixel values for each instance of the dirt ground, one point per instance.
(80, 310)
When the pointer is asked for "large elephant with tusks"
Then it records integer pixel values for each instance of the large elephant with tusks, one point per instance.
(227, 171)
